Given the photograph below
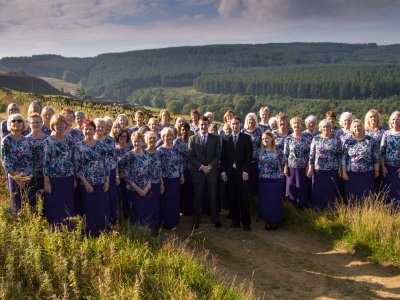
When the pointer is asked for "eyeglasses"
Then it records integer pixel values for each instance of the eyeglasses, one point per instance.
(17, 121)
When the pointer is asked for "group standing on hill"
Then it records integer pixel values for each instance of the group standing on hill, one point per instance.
(105, 170)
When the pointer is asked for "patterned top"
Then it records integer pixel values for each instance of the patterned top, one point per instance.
(376, 135)
(135, 168)
(143, 129)
(109, 145)
(183, 149)
(57, 157)
(360, 156)
(264, 127)
(279, 140)
(161, 127)
(155, 170)
(46, 131)
(92, 162)
(75, 135)
(342, 135)
(5, 132)
(325, 153)
(37, 148)
(390, 148)
(120, 152)
(297, 151)
(309, 135)
(171, 162)
(16, 155)
(255, 140)
(270, 164)
(195, 129)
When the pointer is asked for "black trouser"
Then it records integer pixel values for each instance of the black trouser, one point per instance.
(198, 188)
(238, 194)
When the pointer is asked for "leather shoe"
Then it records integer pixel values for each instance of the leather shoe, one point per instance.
(195, 225)
(233, 225)
(246, 228)
(217, 225)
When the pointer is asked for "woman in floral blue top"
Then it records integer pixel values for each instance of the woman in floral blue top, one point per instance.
(181, 144)
(264, 119)
(324, 167)
(270, 182)
(46, 114)
(17, 159)
(75, 134)
(345, 121)
(251, 128)
(140, 126)
(12, 108)
(36, 142)
(360, 163)
(390, 158)
(172, 174)
(135, 168)
(282, 132)
(311, 127)
(297, 151)
(58, 172)
(93, 171)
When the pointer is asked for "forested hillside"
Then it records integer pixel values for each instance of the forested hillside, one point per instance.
(311, 70)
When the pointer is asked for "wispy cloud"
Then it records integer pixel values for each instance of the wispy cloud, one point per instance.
(90, 27)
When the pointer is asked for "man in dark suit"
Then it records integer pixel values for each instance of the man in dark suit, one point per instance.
(235, 169)
(205, 153)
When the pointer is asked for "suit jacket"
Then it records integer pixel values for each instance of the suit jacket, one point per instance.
(241, 155)
(199, 156)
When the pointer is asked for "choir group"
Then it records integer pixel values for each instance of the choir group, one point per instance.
(104, 169)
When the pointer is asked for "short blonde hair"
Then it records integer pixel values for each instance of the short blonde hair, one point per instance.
(16, 117)
(45, 110)
(166, 111)
(393, 115)
(152, 120)
(108, 120)
(355, 121)
(294, 119)
(367, 123)
(34, 115)
(248, 117)
(262, 109)
(147, 135)
(137, 135)
(165, 131)
(57, 118)
(123, 116)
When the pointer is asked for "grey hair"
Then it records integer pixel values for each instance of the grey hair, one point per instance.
(310, 118)
(345, 116)
(325, 122)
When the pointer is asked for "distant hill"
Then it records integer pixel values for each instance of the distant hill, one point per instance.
(28, 84)
(119, 75)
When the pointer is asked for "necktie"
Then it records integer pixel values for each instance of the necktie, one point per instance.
(203, 140)
(234, 141)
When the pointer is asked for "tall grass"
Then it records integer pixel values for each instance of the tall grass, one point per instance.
(370, 228)
(38, 261)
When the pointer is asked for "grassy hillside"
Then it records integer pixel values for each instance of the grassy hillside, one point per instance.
(61, 85)
(120, 74)
(25, 83)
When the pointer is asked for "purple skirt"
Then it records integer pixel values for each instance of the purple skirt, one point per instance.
(324, 189)
(359, 185)
(95, 209)
(253, 178)
(392, 183)
(60, 204)
(298, 187)
(270, 199)
(18, 195)
(187, 195)
(170, 202)
(113, 195)
(145, 211)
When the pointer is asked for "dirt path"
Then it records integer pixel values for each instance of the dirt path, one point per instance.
(292, 264)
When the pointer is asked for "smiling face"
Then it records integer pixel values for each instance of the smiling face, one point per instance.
(326, 130)
(203, 126)
(79, 119)
(395, 122)
(139, 119)
(235, 126)
(357, 128)
(101, 128)
(137, 143)
(251, 123)
(168, 138)
(151, 139)
(123, 120)
(311, 126)
(89, 131)
(266, 140)
(296, 125)
(36, 124)
(60, 127)
(373, 120)
(47, 116)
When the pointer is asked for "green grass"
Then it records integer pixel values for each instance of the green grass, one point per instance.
(370, 229)
(38, 261)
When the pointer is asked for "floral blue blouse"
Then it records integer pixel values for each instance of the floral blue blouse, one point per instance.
(155, 169)
(325, 153)
(92, 162)
(46, 131)
(255, 140)
(195, 129)
(183, 149)
(264, 127)
(390, 148)
(135, 168)
(297, 151)
(161, 127)
(376, 135)
(142, 129)
(360, 156)
(120, 152)
(57, 157)
(109, 146)
(279, 140)
(342, 134)
(171, 162)
(76, 135)
(16, 155)
(309, 135)
(37, 148)
(270, 164)
(4, 130)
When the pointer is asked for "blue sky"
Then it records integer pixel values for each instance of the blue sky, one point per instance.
(91, 27)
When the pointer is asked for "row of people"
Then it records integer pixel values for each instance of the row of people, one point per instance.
(311, 162)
